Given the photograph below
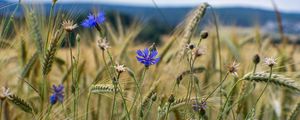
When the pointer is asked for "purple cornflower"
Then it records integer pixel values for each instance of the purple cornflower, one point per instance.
(94, 20)
(147, 57)
(58, 94)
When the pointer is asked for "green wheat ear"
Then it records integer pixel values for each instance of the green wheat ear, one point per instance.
(103, 88)
(276, 79)
(35, 32)
(20, 103)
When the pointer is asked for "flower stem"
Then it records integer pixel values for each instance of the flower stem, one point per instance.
(271, 68)
(228, 97)
(48, 112)
(124, 101)
(217, 87)
(87, 106)
(138, 92)
(113, 107)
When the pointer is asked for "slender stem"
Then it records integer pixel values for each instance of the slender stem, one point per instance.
(141, 82)
(48, 112)
(87, 106)
(166, 117)
(264, 89)
(217, 86)
(271, 68)
(63, 107)
(1, 104)
(219, 50)
(228, 97)
(138, 92)
(114, 104)
(99, 105)
(199, 42)
(124, 101)
(149, 109)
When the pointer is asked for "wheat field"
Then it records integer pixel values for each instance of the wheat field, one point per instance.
(204, 73)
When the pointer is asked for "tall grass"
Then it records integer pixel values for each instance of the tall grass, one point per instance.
(189, 81)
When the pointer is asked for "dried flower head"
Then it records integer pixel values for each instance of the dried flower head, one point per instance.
(199, 51)
(103, 44)
(69, 25)
(256, 59)
(270, 61)
(6, 93)
(171, 98)
(233, 68)
(120, 68)
(190, 46)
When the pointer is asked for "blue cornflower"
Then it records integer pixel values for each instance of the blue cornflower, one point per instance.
(94, 20)
(58, 94)
(147, 57)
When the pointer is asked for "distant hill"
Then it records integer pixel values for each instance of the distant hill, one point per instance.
(238, 16)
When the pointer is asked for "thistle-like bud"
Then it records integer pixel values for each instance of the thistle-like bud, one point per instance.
(69, 25)
(171, 99)
(120, 68)
(204, 34)
(270, 61)
(190, 46)
(256, 59)
(102, 44)
(153, 47)
(154, 97)
(199, 51)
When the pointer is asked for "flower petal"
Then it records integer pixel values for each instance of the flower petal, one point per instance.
(153, 54)
(156, 60)
(140, 53)
(146, 52)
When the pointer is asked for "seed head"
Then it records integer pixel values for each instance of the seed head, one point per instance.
(154, 97)
(199, 51)
(69, 25)
(204, 34)
(6, 93)
(190, 46)
(103, 44)
(270, 61)
(120, 68)
(233, 68)
(256, 59)
(171, 98)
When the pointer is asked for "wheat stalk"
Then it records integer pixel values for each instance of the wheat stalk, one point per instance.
(20, 103)
(103, 88)
(35, 32)
(276, 79)
(197, 15)
(50, 54)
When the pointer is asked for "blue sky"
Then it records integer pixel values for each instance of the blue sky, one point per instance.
(283, 5)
